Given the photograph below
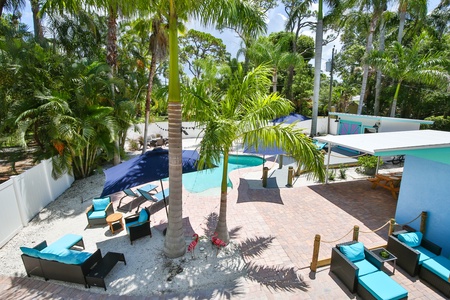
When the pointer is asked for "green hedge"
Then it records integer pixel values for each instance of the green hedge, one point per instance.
(440, 123)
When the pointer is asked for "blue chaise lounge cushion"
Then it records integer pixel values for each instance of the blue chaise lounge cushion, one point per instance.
(439, 265)
(412, 239)
(365, 267)
(381, 286)
(100, 203)
(30, 251)
(353, 252)
(424, 254)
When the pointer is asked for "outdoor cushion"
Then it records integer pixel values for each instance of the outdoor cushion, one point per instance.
(97, 214)
(100, 203)
(143, 216)
(64, 242)
(30, 251)
(424, 254)
(439, 265)
(365, 267)
(130, 224)
(412, 239)
(381, 286)
(353, 252)
(64, 255)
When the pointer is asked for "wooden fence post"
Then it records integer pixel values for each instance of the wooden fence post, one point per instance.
(290, 176)
(265, 174)
(423, 222)
(391, 226)
(315, 257)
(355, 232)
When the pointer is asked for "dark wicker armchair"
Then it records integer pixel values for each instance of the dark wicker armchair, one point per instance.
(138, 225)
(100, 209)
(346, 270)
(408, 257)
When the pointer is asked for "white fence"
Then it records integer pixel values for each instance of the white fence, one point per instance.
(25, 195)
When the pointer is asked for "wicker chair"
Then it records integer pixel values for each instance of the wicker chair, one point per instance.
(101, 208)
(138, 225)
(410, 258)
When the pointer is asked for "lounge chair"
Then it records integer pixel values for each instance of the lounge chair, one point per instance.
(128, 193)
(360, 271)
(411, 250)
(101, 208)
(436, 271)
(155, 198)
(138, 225)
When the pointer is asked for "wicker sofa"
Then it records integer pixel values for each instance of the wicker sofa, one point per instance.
(362, 273)
(410, 257)
(436, 271)
(68, 265)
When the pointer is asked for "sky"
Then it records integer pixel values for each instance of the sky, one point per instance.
(275, 22)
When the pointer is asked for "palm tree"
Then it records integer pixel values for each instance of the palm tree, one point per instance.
(158, 47)
(222, 12)
(243, 112)
(418, 7)
(402, 63)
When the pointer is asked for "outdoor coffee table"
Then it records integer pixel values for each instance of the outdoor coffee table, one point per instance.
(115, 222)
(391, 256)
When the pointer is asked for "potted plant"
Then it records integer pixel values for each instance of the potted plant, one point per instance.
(368, 163)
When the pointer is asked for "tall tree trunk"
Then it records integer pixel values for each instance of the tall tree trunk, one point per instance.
(2, 5)
(274, 80)
(394, 102)
(373, 24)
(222, 229)
(401, 26)
(148, 99)
(174, 243)
(111, 59)
(38, 32)
(317, 67)
(376, 108)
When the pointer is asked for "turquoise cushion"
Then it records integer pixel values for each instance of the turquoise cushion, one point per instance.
(365, 267)
(412, 239)
(64, 255)
(65, 241)
(424, 254)
(381, 286)
(143, 216)
(30, 251)
(97, 214)
(439, 265)
(353, 252)
(100, 203)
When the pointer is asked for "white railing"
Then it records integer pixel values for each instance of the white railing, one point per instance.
(25, 195)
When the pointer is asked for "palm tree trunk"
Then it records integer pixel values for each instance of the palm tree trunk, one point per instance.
(362, 96)
(38, 32)
(174, 244)
(274, 80)
(222, 229)
(394, 102)
(317, 66)
(2, 5)
(148, 100)
(376, 108)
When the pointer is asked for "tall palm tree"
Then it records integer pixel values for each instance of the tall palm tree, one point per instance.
(243, 112)
(402, 63)
(158, 47)
(221, 12)
(417, 7)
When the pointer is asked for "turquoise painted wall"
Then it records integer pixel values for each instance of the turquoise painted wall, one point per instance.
(426, 187)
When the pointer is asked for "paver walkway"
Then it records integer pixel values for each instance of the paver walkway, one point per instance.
(286, 221)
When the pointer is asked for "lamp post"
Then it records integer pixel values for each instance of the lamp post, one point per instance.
(330, 69)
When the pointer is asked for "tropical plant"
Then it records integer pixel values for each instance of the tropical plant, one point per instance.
(242, 112)
(412, 64)
(241, 14)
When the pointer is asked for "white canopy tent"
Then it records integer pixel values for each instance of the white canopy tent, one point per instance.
(389, 143)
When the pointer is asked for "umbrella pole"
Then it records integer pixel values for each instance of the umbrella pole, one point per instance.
(164, 199)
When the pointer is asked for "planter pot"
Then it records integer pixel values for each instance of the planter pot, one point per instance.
(370, 171)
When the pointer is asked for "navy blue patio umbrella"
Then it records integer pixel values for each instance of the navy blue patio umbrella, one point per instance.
(148, 167)
(291, 118)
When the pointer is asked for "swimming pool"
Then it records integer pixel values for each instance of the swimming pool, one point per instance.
(201, 181)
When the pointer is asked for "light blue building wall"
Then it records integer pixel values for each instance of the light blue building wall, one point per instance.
(426, 187)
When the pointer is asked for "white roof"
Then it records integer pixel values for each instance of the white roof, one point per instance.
(376, 143)
(379, 118)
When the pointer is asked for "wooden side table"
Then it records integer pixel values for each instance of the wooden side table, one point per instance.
(115, 222)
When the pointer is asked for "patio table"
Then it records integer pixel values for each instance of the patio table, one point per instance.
(387, 181)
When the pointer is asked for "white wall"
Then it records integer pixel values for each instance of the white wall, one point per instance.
(25, 195)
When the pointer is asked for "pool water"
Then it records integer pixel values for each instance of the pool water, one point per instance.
(201, 181)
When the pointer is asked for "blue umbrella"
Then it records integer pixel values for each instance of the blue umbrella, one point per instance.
(291, 118)
(148, 167)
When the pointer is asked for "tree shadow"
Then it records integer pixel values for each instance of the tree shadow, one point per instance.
(211, 223)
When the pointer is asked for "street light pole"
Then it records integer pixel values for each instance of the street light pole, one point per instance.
(331, 88)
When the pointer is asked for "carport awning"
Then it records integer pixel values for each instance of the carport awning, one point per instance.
(379, 144)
